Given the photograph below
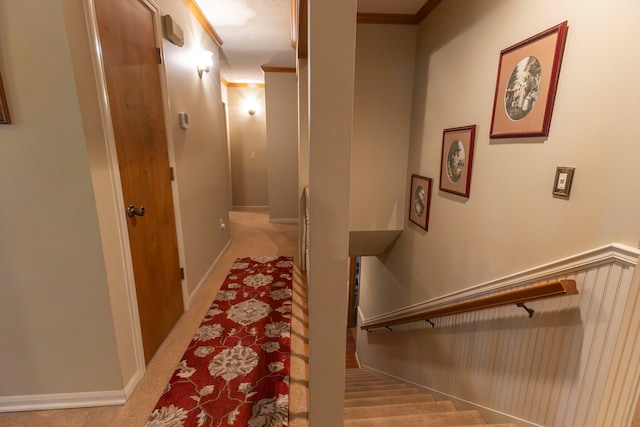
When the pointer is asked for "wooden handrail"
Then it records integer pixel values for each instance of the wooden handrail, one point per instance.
(518, 296)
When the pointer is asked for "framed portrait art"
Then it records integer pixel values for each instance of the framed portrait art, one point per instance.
(457, 159)
(526, 87)
(5, 119)
(420, 201)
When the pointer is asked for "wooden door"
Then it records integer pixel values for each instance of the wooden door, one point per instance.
(128, 42)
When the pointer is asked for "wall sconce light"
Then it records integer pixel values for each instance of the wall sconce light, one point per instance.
(252, 106)
(205, 61)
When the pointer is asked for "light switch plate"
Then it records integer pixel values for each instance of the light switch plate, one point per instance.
(184, 120)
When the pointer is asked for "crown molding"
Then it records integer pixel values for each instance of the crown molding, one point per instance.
(426, 9)
(244, 85)
(226, 83)
(197, 12)
(399, 18)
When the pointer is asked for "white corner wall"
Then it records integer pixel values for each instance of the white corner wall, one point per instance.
(248, 146)
(331, 65)
(281, 100)
(385, 62)
(57, 328)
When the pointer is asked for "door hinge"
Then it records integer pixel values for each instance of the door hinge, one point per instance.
(181, 273)
(172, 175)
(159, 52)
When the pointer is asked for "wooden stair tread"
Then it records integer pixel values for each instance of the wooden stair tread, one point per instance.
(490, 425)
(370, 380)
(379, 393)
(374, 387)
(360, 378)
(437, 419)
(373, 399)
(382, 400)
(398, 409)
(350, 373)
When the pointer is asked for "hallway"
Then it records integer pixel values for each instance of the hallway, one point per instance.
(251, 235)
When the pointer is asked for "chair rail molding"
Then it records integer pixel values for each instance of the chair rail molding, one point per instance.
(614, 252)
(574, 364)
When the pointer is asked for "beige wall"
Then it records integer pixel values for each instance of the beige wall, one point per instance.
(201, 156)
(57, 326)
(68, 291)
(511, 221)
(385, 58)
(281, 96)
(331, 66)
(247, 135)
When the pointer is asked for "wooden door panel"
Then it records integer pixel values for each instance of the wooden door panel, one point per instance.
(127, 37)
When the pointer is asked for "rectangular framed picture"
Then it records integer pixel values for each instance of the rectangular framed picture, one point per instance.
(420, 201)
(526, 87)
(5, 119)
(563, 181)
(457, 159)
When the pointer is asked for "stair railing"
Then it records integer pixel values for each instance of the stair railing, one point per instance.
(518, 297)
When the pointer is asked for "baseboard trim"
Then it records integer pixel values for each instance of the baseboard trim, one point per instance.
(248, 207)
(133, 382)
(207, 274)
(492, 416)
(40, 402)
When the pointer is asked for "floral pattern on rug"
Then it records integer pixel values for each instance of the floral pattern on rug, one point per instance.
(235, 371)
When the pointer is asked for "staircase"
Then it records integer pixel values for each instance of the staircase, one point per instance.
(375, 400)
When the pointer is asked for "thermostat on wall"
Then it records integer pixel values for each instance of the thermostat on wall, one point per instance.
(184, 120)
(172, 31)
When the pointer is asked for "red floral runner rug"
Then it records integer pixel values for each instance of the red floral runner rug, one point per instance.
(235, 371)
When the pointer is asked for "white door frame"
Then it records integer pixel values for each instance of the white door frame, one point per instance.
(122, 289)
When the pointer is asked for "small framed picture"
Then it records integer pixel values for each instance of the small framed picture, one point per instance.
(562, 183)
(526, 88)
(457, 159)
(420, 201)
(5, 119)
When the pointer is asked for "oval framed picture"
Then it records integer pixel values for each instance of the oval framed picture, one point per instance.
(457, 159)
(528, 75)
(420, 201)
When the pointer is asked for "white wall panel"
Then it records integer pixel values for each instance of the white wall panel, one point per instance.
(548, 370)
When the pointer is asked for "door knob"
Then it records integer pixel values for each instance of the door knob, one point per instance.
(133, 211)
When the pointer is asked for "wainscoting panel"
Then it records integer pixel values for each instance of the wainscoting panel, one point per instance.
(549, 370)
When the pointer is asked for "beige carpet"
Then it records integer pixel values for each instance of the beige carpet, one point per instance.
(252, 235)
(372, 399)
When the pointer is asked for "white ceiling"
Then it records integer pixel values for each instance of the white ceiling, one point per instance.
(258, 32)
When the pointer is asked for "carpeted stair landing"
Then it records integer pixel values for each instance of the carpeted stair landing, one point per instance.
(375, 400)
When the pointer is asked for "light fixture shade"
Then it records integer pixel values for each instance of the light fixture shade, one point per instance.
(205, 61)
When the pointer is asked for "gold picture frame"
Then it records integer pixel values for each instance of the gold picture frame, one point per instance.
(526, 86)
